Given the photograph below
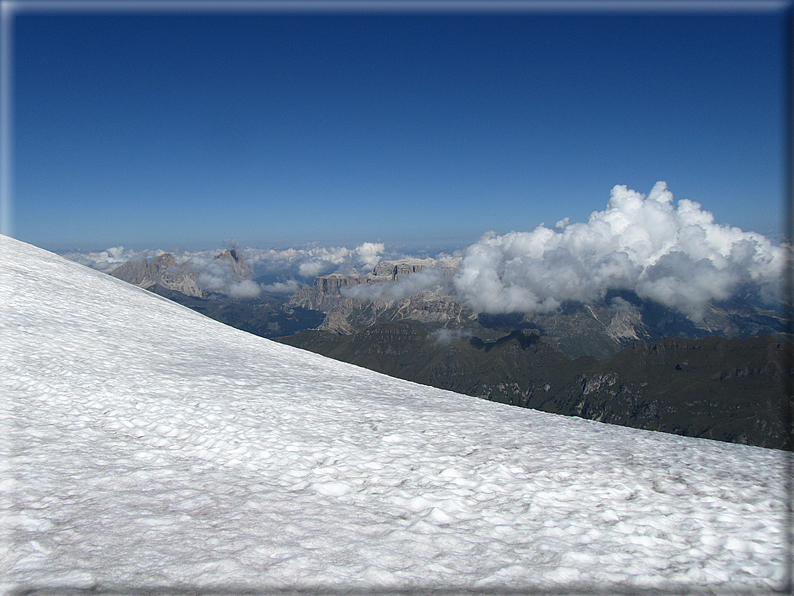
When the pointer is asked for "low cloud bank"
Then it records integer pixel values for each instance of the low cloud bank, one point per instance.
(675, 255)
(244, 289)
(281, 287)
(447, 336)
(218, 276)
(286, 269)
(407, 286)
(307, 263)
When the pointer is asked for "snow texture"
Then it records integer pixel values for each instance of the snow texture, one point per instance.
(148, 447)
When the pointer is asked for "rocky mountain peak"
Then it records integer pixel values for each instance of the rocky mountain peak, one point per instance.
(236, 262)
(161, 271)
(345, 314)
(164, 273)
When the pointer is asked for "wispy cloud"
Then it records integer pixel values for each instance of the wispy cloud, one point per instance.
(289, 267)
(281, 287)
(406, 286)
(447, 336)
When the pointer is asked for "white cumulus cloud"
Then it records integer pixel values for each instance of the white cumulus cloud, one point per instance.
(674, 254)
(318, 261)
(216, 276)
(111, 258)
(369, 253)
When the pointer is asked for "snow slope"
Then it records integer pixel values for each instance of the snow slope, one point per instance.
(149, 447)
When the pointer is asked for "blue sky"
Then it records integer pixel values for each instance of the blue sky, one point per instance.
(413, 129)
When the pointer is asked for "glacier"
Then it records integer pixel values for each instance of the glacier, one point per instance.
(149, 449)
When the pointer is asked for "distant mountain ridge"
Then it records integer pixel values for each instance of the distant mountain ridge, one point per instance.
(341, 297)
(163, 274)
(161, 271)
(420, 291)
(602, 329)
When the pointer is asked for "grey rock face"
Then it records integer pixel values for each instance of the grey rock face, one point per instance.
(393, 270)
(236, 262)
(332, 285)
(325, 294)
(346, 315)
(161, 270)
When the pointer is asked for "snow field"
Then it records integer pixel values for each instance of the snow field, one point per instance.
(149, 447)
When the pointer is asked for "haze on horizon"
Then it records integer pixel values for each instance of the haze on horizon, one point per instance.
(419, 131)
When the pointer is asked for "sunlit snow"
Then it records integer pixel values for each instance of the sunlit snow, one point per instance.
(149, 447)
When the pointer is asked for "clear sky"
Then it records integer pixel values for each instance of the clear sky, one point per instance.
(410, 128)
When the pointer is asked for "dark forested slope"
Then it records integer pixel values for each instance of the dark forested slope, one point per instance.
(718, 388)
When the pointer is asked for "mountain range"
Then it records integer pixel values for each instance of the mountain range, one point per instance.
(599, 329)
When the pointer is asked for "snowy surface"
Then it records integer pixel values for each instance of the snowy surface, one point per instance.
(149, 447)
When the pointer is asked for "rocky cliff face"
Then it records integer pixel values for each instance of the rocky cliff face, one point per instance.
(163, 274)
(350, 315)
(236, 262)
(346, 315)
(393, 270)
(683, 386)
(325, 293)
(161, 271)
(331, 286)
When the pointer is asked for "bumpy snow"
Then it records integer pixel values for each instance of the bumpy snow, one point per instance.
(148, 447)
